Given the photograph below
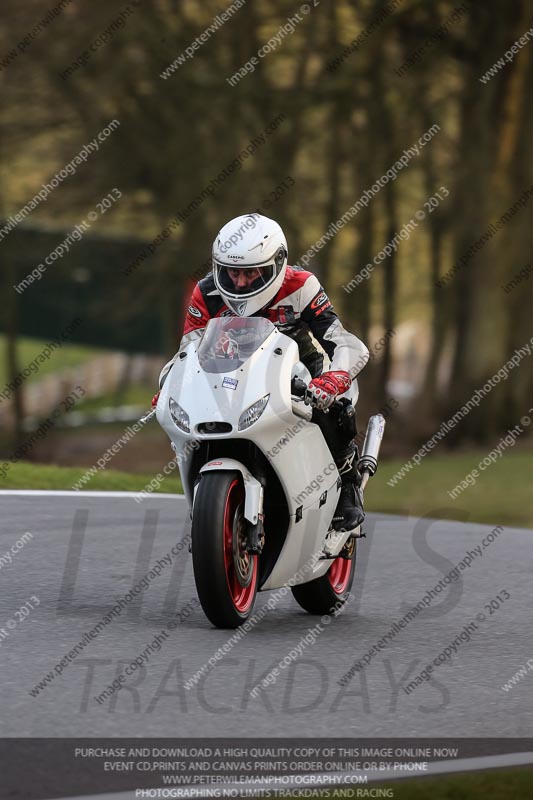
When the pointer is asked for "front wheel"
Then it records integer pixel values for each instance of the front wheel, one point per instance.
(328, 593)
(226, 575)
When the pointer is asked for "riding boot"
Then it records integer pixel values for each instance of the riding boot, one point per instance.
(349, 512)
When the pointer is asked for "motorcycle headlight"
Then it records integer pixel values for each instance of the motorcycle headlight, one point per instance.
(180, 417)
(253, 413)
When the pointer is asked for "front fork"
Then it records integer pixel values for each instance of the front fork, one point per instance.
(253, 503)
(255, 534)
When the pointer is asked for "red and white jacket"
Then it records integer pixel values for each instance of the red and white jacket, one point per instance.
(300, 308)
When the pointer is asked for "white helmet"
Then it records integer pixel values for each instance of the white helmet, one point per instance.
(250, 242)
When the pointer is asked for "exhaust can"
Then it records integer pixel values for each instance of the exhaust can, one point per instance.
(372, 444)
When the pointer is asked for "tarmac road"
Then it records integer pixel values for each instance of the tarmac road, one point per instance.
(87, 551)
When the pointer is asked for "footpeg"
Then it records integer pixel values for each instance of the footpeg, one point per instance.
(327, 555)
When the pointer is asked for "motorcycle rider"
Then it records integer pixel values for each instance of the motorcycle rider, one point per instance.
(250, 277)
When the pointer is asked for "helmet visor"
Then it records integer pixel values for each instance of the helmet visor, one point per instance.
(243, 282)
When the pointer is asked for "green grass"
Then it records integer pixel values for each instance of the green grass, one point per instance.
(25, 475)
(502, 494)
(69, 355)
(508, 784)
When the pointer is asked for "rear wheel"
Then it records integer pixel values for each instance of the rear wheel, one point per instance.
(226, 575)
(328, 593)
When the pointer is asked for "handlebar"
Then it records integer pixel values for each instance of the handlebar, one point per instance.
(299, 388)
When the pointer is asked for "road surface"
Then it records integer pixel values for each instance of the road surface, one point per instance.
(88, 550)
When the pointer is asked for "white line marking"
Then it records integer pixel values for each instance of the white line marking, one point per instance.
(87, 493)
(434, 768)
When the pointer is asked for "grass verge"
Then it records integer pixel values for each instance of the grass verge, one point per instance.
(69, 355)
(505, 784)
(502, 495)
(38, 476)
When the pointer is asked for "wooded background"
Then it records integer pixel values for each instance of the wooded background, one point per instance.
(405, 66)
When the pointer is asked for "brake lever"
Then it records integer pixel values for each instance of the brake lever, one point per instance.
(147, 417)
(299, 389)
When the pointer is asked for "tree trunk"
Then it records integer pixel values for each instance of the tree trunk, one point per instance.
(389, 151)
(480, 316)
(10, 300)
(437, 222)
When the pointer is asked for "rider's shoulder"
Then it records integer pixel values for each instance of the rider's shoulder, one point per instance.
(299, 276)
(206, 285)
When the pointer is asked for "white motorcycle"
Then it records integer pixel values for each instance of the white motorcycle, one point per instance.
(257, 473)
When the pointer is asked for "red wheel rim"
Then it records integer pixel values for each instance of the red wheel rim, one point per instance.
(339, 574)
(237, 561)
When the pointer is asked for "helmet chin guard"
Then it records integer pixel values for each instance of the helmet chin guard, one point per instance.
(250, 242)
(238, 306)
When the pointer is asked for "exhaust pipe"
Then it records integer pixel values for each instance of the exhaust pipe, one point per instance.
(368, 462)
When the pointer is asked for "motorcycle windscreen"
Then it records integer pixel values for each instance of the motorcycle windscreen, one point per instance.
(230, 341)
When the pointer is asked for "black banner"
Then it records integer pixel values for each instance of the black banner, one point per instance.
(35, 769)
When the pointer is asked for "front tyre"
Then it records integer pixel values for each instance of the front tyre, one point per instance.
(328, 593)
(226, 575)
